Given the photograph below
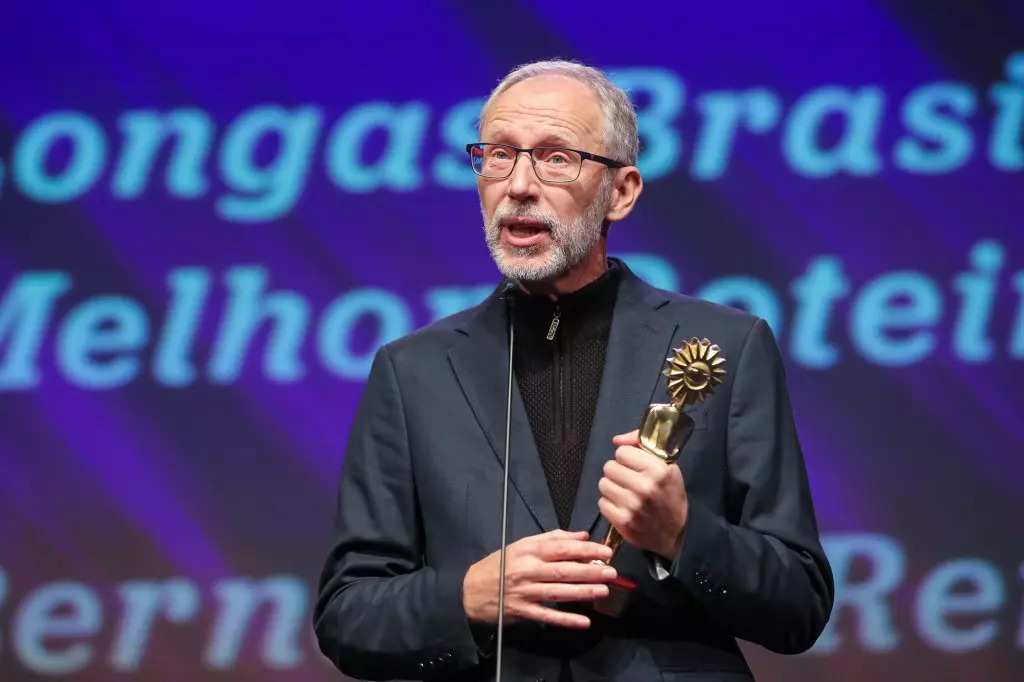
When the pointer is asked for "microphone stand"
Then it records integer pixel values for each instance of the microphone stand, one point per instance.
(504, 495)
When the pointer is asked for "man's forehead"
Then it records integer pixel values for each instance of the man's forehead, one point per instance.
(547, 110)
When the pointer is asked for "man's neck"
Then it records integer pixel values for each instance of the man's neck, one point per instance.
(590, 269)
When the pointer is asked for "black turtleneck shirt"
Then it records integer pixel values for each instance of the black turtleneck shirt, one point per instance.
(559, 377)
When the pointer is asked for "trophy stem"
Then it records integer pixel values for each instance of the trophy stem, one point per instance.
(613, 538)
(618, 589)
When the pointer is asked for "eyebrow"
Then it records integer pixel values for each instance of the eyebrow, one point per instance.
(549, 140)
(554, 140)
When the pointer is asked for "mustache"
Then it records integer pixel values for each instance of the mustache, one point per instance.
(530, 211)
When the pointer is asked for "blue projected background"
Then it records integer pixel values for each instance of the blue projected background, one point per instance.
(211, 215)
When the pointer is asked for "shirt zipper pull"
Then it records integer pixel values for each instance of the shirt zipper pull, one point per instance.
(554, 324)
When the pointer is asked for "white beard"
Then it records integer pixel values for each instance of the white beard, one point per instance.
(570, 244)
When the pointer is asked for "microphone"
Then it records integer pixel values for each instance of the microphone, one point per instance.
(509, 304)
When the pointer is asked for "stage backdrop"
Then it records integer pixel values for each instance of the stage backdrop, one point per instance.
(212, 214)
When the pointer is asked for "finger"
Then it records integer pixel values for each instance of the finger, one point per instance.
(558, 534)
(573, 550)
(631, 438)
(564, 535)
(617, 494)
(573, 572)
(616, 516)
(554, 617)
(563, 592)
(636, 459)
(630, 479)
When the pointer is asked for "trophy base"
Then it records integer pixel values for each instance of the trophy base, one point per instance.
(618, 596)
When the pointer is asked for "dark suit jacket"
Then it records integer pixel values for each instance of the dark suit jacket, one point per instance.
(420, 495)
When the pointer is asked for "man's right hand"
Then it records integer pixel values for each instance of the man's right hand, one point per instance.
(552, 567)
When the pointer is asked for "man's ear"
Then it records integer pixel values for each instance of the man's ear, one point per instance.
(626, 187)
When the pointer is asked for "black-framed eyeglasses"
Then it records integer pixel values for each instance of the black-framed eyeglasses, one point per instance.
(552, 164)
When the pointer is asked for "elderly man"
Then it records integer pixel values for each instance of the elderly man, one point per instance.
(721, 545)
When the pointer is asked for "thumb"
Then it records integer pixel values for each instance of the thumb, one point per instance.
(631, 438)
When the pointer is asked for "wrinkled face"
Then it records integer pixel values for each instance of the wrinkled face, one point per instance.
(538, 230)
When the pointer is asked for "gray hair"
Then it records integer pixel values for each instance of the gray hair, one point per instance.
(621, 137)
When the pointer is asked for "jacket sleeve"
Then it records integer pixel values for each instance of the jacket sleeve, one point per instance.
(764, 576)
(380, 612)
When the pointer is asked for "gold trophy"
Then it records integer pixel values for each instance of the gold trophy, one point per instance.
(693, 372)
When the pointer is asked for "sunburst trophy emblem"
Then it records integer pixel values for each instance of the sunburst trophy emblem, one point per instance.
(693, 371)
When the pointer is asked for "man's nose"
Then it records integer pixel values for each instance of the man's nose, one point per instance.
(523, 183)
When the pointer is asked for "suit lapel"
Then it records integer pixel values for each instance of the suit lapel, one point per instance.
(480, 361)
(638, 343)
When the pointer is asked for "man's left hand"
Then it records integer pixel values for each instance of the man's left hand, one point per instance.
(644, 498)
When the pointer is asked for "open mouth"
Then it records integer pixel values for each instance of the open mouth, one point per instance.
(525, 231)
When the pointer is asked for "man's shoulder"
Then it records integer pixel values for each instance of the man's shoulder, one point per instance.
(698, 314)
